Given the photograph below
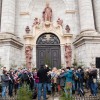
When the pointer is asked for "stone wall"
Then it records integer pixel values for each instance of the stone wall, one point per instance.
(27, 10)
(87, 48)
(17, 14)
(87, 53)
(10, 55)
(8, 16)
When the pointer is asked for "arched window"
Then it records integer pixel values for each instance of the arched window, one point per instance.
(48, 39)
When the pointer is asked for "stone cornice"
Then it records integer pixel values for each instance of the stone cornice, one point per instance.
(86, 38)
(7, 38)
(71, 11)
(24, 13)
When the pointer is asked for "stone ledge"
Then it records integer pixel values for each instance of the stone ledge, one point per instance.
(7, 38)
(71, 11)
(68, 35)
(86, 38)
(24, 13)
(28, 36)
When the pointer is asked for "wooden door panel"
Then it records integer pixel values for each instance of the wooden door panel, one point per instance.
(40, 56)
(55, 57)
(49, 55)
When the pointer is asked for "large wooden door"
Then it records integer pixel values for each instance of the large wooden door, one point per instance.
(48, 52)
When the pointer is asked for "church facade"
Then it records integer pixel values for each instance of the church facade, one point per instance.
(54, 32)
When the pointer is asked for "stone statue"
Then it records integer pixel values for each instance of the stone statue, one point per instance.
(59, 21)
(68, 55)
(67, 28)
(28, 53)
(36, 22)
(47, 13)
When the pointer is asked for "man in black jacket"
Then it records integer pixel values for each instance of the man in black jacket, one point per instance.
(42, 74)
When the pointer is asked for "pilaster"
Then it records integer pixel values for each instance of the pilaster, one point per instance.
(8, 16)
(96, 4)
(86, 15)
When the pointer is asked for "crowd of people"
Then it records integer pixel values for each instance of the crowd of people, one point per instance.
(45, 80)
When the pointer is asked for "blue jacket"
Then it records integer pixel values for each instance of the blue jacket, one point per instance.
(68, 75)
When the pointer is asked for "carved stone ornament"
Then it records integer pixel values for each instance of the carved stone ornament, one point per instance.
(27, 29)
(67, 28)
(48, 39)
(47, 13)
(68, 55)
(36, 21)
(28, 53)
(59, 21)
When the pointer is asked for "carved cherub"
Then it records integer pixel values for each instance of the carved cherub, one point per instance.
(59, 21)
(36, 21)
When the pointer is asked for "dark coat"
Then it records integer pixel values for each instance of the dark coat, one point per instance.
(42, 74)
(62, 80)
(5, 80)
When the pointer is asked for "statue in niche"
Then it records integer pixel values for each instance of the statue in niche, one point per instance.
(47, 13)
(59, 21)
(67, 28)
(68, 55)
(28, 53)
(36, 21)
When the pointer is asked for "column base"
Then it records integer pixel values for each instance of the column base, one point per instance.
(87, 48)
(9, 38)
(10, 50)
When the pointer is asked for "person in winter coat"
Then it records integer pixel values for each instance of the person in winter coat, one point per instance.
(62, 79)
(69, 79)
(42, 85)
(5, 82)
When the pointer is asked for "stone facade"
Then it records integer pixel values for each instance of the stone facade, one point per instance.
(77, 14)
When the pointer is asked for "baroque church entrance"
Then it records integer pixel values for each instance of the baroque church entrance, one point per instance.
(48, 50)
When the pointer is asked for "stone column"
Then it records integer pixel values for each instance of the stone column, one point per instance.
(96, 4)
(86, 15)
(8, 16)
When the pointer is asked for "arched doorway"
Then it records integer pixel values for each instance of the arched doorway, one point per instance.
(48, 50)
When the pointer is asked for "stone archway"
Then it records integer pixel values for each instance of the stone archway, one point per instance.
(48, 50)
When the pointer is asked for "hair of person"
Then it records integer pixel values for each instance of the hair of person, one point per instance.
(68, 68)
(4, 71)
